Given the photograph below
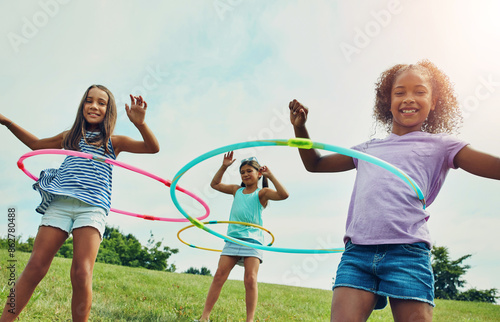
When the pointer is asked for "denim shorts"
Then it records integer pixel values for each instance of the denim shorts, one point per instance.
(401, 271)
(233, 249)
(68, 213)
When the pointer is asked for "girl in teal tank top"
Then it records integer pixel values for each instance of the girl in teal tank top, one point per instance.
(249, 201)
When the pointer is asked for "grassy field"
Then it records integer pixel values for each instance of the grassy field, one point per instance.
(132, 294)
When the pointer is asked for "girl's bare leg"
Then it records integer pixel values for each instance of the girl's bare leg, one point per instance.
(408, 310)
(350, 304)
(47, 242)
(86, 242)
(251, 287)
(226, 264)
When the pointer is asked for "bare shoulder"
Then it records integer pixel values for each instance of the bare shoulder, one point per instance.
(120, 142)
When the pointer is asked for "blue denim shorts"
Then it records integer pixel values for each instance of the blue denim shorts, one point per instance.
(68, 213)
(401, 271)
(233, 249)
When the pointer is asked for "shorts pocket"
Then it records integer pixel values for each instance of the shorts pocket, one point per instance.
(349, 246)
(417, 248)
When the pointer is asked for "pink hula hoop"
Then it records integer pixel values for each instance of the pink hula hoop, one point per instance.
(21, 166)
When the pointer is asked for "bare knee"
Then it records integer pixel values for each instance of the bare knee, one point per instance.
(250, 281)
(36, 268)
(220, 277)
(81, 275)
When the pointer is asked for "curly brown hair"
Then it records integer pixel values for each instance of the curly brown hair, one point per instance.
(445, 118)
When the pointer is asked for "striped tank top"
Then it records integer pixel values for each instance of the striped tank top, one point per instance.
(84, 179)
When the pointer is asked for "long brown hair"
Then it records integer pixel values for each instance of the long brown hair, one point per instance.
(254, 164)
(79, 128)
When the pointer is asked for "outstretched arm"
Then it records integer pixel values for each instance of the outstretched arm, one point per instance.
(267, 194)
(30, 140)
(312, 160)
(217, 179)
(137, 114)
(478, 163)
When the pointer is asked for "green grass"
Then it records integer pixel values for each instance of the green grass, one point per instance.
(134, 294)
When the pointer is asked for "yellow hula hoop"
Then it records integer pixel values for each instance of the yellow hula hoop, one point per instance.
(222, 222)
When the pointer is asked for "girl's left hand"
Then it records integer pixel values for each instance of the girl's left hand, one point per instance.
(137, 111)
(265, 171)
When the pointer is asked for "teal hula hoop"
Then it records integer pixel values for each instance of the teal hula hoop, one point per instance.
(295, 143)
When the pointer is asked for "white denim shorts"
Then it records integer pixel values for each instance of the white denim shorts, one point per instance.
(68, 213)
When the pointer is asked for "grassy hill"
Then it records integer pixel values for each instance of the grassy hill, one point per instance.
(133, 294)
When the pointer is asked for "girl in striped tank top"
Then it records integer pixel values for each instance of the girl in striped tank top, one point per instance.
(76, 198)
(249, 201)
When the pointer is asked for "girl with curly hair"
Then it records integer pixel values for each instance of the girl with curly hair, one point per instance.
(387, 241)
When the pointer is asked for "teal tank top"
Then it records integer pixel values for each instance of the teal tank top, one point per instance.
(246, 208)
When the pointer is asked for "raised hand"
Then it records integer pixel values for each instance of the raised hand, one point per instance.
(265, 171)
(137, 110)
(298, 113)
(270, 194)
(228, 159)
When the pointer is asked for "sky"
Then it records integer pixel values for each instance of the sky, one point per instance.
(219, 72)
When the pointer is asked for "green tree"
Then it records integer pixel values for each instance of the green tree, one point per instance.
(447, 273)
(195, 271)
(126, 250)
(474, 295)
(115, 248)
(448, 278)
(27, 246)
(66, 249)
(155, 258)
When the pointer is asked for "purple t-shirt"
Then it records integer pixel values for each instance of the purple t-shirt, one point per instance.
(384, 209)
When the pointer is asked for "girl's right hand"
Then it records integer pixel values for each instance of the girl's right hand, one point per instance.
(298, 113)
(228, 159)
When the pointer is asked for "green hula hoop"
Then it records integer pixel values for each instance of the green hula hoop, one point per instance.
(300, 143)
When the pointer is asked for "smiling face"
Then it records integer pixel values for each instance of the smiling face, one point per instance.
(94, 108)
(411, 101)
(249, 175)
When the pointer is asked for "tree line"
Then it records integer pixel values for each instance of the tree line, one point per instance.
(119, 249)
